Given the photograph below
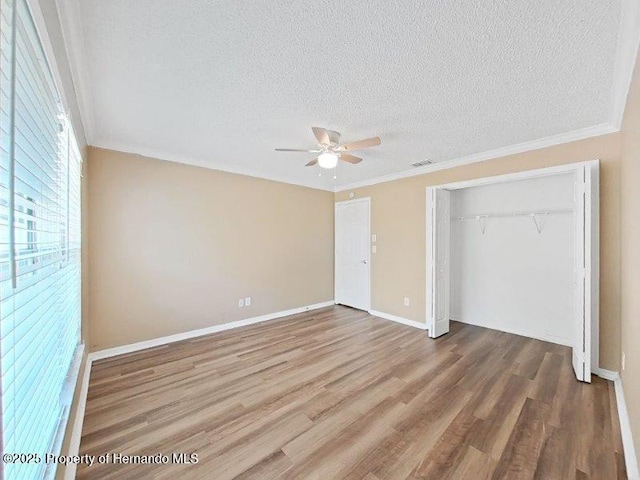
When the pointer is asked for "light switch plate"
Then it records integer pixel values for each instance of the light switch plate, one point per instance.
(247, 301)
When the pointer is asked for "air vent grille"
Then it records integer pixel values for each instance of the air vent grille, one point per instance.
(422, 163)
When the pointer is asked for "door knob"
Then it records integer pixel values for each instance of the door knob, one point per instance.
(364, 261)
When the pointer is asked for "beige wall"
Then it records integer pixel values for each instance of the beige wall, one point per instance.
(630, 250)
(398, 218)
(173, 247)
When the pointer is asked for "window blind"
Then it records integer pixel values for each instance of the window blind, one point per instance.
(40, 169)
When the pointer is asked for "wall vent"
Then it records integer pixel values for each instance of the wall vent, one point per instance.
(422, 163)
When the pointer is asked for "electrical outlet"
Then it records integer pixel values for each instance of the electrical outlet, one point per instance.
(624, 357)
(406, 301)
(247, 301)
(241, 302)
(374, 249)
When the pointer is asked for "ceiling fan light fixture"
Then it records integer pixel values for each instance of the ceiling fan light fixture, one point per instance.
(328, 160)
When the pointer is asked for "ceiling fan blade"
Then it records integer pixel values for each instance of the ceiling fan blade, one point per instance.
(312, 163)
(295, 150)
(334, 137)
(350, 158)
(321, 135)
(366, 143)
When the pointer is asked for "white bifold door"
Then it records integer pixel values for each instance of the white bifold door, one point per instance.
(585, 349)
(352, 259)
(440, 253)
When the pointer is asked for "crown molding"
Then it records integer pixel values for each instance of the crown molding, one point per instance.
(73, 35)
(627, 49)
(545, 142)
(196, 162)
(567, 137)
(626, 53)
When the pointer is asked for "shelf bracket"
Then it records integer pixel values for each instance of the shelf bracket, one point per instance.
(538, 224)
(482, 221)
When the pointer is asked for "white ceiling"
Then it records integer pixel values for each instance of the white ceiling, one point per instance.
(222, 83)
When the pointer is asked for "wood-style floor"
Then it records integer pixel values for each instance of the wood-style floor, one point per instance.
(337, 393)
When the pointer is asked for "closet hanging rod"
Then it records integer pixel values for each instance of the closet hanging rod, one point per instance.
(516, 214)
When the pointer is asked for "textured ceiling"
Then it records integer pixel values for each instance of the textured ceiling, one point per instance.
(222, 83)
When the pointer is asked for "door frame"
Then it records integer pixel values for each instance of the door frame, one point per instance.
(366, 200)
(592, 242)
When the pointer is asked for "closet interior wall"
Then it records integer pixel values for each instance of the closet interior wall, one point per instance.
(513, 257)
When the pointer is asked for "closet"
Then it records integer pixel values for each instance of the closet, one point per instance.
(518, 253)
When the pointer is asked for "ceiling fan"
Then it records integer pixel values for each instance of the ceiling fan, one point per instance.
(331, 150)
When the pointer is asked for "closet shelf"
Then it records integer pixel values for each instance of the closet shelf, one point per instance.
(533, 215)
(516, 214)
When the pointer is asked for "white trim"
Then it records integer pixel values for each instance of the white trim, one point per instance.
(347, 202)
(156, 342)
(592, 241)
(631, 461)
(478, 157)
(353, 200)
(630, 458)
(47, 46)
(40, 23)
(73, 36)
(209, 163)
(544, 338)
(515, 176)
(395, 318)
(604, 373)
(66, 398)
(626, 52)
(573, 136)
(76, 431)
(429, 220)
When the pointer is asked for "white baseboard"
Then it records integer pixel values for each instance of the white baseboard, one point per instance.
(394, 318)
(156, 342)
(78, 421)
(544, 338)
(630, 458)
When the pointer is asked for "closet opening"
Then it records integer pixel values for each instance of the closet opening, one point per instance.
(518, 253)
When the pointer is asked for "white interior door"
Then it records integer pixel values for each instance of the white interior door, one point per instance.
(352, 259)
(440, 240)
(587, 251)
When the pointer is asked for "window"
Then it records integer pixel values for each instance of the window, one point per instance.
(40, 167)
